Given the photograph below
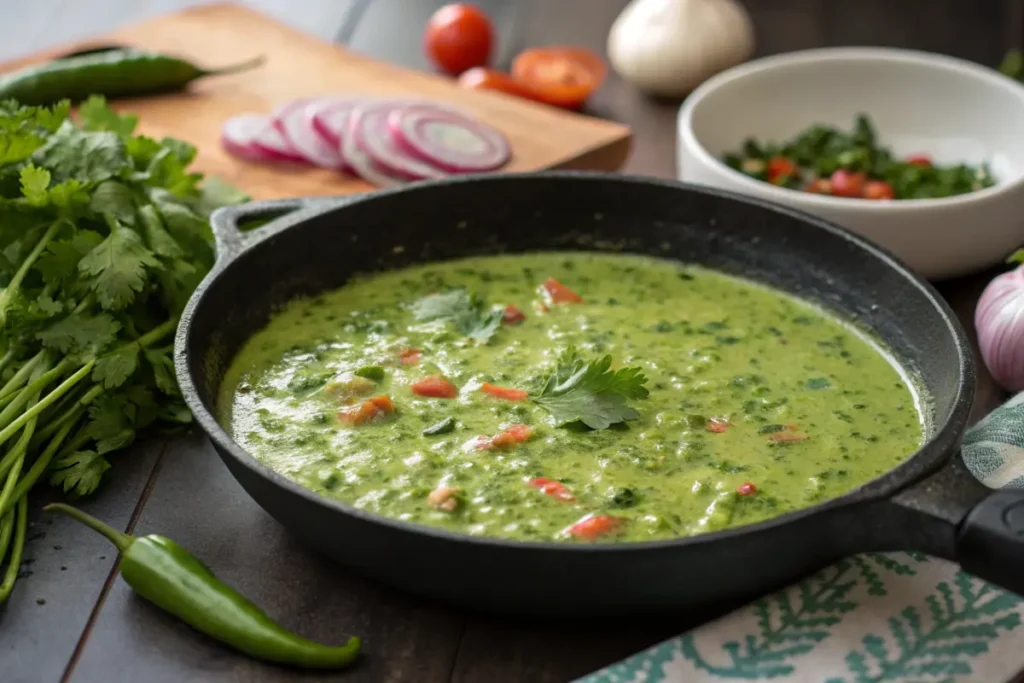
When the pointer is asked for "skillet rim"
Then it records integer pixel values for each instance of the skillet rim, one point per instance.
(931, 456)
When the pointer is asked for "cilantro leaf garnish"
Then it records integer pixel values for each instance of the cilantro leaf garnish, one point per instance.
(466, 312)
(116, 267)
(590, 391)
(79, 473)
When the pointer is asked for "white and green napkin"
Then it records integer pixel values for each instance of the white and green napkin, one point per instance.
(894, 617)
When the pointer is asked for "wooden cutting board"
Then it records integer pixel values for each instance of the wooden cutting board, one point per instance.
(299, 65)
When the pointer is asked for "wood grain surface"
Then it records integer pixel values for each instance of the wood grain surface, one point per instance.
(190, 495)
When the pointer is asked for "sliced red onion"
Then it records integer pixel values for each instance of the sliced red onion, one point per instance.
(252, 137)
(330, 116)
(448, 140)
(369, 132)
(271, 141)
(999, 319)
(297, 128)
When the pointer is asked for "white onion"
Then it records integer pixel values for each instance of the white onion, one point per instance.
(999, 319)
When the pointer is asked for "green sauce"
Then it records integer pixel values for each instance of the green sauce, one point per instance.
(747, 387)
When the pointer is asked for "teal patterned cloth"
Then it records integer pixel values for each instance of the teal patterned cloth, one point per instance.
(895, 617)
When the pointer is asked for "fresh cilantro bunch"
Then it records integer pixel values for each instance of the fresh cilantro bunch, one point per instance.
(591, 392)
(103, 237)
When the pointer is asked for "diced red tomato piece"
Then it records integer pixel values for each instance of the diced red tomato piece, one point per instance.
(410, 356)
(434, 386)
(819, 186)
(512, 315)
(512, 435)
(594, 526)
(507, 393)
(779, 168)
(746, 489)
(540, 307)
(479, 443)
(847, 183)
(878, 189)
(559, 293)
(919, 160)
(718, 425)
(369, 410)
(555, 489)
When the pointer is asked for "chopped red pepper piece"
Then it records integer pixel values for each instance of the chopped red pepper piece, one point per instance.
(919, 160)
(746, 489)
(512, 315)
(410, 356)
(512, 435)
(786, 437)
(555, 489)
(371, 409)
(434, 386)
(718, 425)
(559, 293)
(507, 393)
(779, 168)
(594, 526)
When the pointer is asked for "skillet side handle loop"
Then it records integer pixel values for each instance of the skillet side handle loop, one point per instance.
(990, 542)
(227, 222)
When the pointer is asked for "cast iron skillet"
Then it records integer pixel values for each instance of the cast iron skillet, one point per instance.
(929, 503)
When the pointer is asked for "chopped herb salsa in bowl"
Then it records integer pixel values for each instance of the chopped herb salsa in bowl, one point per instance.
(920, 153)
(854, 164)
(570, 396)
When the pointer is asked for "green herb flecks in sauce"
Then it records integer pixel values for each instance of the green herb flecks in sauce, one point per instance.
(756, 403)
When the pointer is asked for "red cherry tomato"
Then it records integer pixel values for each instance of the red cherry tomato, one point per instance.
(878, 189)
(561, 76)
(434, 386)
(919, 160)
(480, 78)
(458, 37)
(779, 168)
(847, 183)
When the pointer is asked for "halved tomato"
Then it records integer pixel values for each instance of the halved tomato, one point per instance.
(562, 76)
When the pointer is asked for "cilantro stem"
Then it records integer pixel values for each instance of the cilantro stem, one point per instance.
(33, 389)
(71, 415)
(22, 375)
(18, 456)
(38, 468)
(157, 332)
(7, 296)
(7, 357)
(14, 564)
(6, 530)
(64, 387)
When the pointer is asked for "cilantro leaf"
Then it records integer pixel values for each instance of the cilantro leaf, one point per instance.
(163, 371)
(157, 238)
(215, 193)
(34, 185)
(60, 260)
(591, 392)
(80, 332)
(79, 473)
(113, 369)
(468, 313)
(115, 199)
(117, 267)
(87, 157)
(95, 115)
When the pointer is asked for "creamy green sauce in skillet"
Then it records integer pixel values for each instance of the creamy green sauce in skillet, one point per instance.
(459, 395)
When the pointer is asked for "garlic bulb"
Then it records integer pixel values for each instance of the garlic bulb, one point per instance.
(669, 47)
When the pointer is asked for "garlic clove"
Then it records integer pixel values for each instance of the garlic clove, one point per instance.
(669, 47)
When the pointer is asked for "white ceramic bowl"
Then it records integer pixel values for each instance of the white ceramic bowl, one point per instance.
(950, 109)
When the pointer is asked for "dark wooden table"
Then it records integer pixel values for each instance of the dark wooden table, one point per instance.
(71, 617)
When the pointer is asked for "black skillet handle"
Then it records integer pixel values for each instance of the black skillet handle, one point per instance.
(990, 541)
(236, 227)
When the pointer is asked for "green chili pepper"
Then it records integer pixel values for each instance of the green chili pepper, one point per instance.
(167, 575)
(443, 427)
(112, 73)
